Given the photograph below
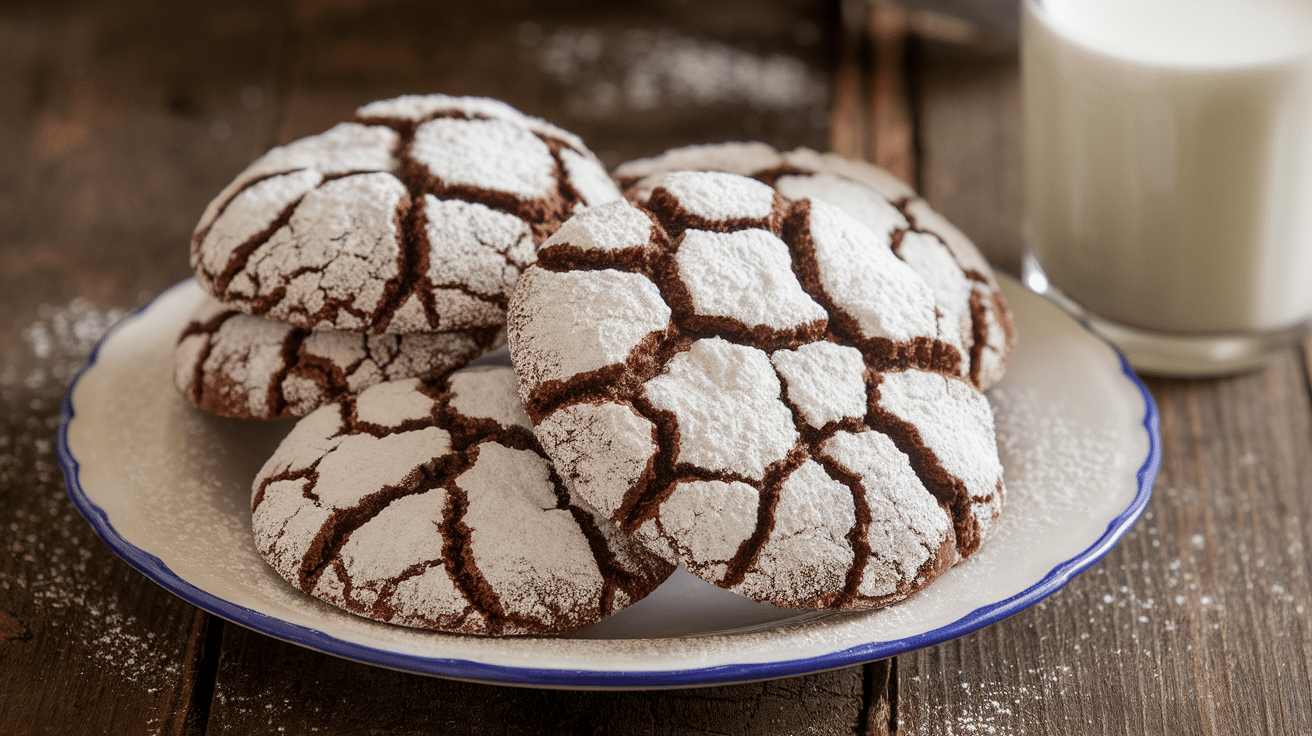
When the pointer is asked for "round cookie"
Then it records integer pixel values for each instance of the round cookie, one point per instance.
(417, 217)
(966, 291)
(246, 367)
(756, 388)
(429, 504)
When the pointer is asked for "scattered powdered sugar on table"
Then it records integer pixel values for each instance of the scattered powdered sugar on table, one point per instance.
(639, 69)
(124, 644)
(244, 709)
(990, 707)
(60, 341)
(59, 564)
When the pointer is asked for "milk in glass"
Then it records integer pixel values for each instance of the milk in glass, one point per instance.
(1168, 159)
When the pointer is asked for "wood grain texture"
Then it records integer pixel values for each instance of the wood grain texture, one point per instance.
(98, 652)
(109, 127)
(871, 117)
(265, 686)
(890, 135)
(968, 137)
(848, 109)
(632, 79)
(120, 120)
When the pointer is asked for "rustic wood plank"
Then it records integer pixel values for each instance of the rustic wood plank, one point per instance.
(871, 114)
(267, 686)
(125, 130)
(116, 126)
(847, 114)
(968, 103)
(1307, 358)
(632, 79)
(98, 648)
(999, 19)
(890, 131)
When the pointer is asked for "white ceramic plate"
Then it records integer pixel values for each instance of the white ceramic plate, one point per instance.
(167, 487)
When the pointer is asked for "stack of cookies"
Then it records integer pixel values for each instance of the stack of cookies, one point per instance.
(764, 367)
(381, 249)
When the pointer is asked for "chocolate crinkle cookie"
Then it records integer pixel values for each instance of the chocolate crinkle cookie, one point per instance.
(430, 504)
(758, 389)
(416, 217)
(975, 316)
(238, 365)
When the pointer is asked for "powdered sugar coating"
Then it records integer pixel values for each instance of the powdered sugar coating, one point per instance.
(746, 276)
(881, 180)
(955, 424)
(976, 320)
(720, 197)
(473, 233)
(735, 157)
(359, 228)
(342, 245)
(392, 404)
(908, 526)
(487, 392)
(488, 154)
(704, 522)
(867, 282)
(429, 504)
(964, 251)
(250, 212)
(344, 148)
(382, 551)
(725, 400)
(614, 227)
(825, 381)
(568, 340)
(247, 367)
(587, 177)
(521, 533)
(418, 108)
(807, 553)
(860, 202)
(751, 450)
(929, 257)
(601, 450)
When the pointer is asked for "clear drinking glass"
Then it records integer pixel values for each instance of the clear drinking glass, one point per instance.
(1168, 174)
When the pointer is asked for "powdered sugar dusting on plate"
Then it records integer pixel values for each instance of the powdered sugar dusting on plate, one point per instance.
(1046, 453)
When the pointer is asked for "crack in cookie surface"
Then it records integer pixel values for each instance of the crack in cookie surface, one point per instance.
(733, 449)
(985, 336)
(247, 367)
(328, 232)
(430, 504)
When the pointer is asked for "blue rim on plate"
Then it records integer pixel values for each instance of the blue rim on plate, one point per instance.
(464, 669)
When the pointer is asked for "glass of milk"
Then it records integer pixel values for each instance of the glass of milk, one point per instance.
(1168, 167)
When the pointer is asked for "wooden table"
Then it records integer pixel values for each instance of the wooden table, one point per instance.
(119, 121)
